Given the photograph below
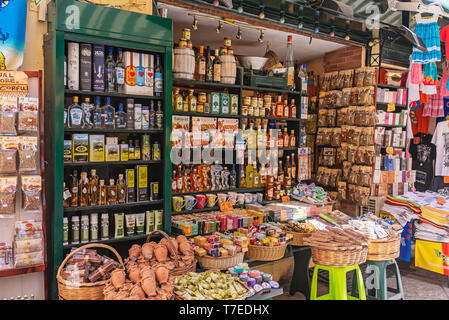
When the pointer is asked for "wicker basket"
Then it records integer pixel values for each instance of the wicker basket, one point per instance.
(298, 238)
(264, 253)
(241, 297)
(384, 249)
(177, 271)
(82, 291)
(221, 263)
(341, 257)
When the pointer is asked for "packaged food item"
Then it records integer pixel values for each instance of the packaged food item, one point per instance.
(150, 225)
(8, 154)
(342, 190)
(140, 223)
(28, 160)
(359, 77)
(31, 192)
(104, 226)
(28, 121)
(119, 225)
(130, 224)
(8, 188)
(28, 104)
(370, 77)
(8, 111)
(84, 230)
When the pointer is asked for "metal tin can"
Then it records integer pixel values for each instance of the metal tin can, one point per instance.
(200, 107)
(244, 110)
(260, 102)
(186, 33)
(256, 112)
(247, 101)
(156, 151)
(154, 191)
(223, 51)
(251, 111)
(183, 43)
(202, 97)
(267, 99)
(227, 41)
(254, 102)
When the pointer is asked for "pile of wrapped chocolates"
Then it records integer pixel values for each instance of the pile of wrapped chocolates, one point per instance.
(221, 245)
(300, 227)
(210, 222)
(88, 266)
(312, 193)
(255, 280)
(268, 234)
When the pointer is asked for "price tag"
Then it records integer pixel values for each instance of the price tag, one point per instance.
(446, 179)
(391, 107)
(285, 199)
(226, 206)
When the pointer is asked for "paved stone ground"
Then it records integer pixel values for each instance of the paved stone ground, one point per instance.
(417, 284)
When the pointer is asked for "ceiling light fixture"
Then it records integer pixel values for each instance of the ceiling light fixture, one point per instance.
(261, 36)
(282, 19)
(195, 23)
(220, 26)
(262, 13)
(239, 34)
(240, 7)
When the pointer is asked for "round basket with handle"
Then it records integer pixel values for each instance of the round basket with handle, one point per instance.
(384, 249)
(83, 291)
(240, 297)
(221, 263)
(177, 270)
(265, 253)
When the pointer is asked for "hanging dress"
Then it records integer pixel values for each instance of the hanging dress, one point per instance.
(435, 107)
(427, 29)
(430, 79)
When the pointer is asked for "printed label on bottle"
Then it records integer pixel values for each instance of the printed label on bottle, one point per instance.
(110, 72)
(97, 118)
(120, 74)
(76, 116)
(202, 68)
(75, 190)
(84, 190)
(158, 84)
(290, 76)
(65, 117)
(109, 119)
(67, 194)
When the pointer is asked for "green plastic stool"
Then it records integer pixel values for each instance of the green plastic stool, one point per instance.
(337, 283)
(376, 281)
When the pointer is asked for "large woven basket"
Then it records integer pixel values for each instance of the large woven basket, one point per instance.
(384, 249)
(177, 271)
(298, 238)
(82, 291)
(241, 297)
(264, 253)
(340, 257)
(221, 263)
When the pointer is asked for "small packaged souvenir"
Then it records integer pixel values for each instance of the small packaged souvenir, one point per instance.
(31, 192)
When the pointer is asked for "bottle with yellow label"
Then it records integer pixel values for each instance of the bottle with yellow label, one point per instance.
(191, 101)
(249, 175)
(177, 101)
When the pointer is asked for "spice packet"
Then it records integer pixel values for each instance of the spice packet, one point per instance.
(29, 104)
(8, 110)
(28, 160)
(31, 192)
(8, 188)
(8, 154)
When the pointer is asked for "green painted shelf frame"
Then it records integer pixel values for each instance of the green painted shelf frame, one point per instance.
(70, 20)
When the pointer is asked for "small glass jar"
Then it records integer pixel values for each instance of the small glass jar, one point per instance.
(183, 43)
(246, 101)
(202, 97)
(244, 110)
(227, 42)
(186, 33)
(223, 51)
(230, 51)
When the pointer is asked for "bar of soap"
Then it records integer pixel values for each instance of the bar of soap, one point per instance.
(267, 277)
(251, 282)
(257, 288)
(254, 274)
(266, 285)
(274, 284)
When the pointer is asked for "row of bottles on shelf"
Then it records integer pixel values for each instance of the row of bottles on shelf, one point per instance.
(85, 68)
(92, 191)
(260, 137)
(88, 115)
(203, 177)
